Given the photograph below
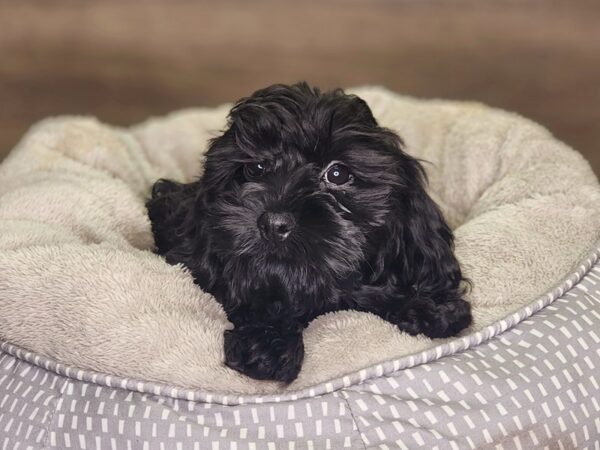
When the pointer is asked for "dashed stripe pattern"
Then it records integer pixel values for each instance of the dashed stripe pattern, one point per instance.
(535, 385)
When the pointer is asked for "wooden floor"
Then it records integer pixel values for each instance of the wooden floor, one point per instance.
(123, 61)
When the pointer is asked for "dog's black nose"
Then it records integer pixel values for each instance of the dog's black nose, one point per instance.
(274, 225)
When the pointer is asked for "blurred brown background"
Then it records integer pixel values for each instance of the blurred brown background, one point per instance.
(123, 61)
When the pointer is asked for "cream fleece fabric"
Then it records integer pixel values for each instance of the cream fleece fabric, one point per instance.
(79, 283)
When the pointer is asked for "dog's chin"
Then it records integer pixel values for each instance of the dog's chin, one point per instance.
(285, 254)
(293, 256)
(278, 252)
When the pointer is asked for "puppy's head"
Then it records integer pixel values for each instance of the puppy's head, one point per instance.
(304, 189)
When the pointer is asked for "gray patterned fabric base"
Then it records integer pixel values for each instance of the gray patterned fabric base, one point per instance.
(529, 381)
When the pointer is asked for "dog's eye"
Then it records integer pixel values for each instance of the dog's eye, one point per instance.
(254, 170)
(338, 174)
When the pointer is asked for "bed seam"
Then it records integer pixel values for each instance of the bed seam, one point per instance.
(53, 415)
(360, 434)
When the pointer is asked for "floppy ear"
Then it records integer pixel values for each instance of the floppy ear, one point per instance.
(168, 209)
(414, 277)
(179, 234)
(427, 248)
(422, 291)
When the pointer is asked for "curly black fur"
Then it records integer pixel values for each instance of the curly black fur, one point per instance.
(376, 243)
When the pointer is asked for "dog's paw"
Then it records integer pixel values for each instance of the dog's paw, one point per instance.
(264, 353)
(435, 320)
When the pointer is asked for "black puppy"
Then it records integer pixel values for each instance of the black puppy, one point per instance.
(307, 206)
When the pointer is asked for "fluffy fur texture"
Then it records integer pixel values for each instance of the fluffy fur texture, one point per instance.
(308, 206)
(79, 283)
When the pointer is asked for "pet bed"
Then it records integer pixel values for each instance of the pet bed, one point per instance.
(104, 345)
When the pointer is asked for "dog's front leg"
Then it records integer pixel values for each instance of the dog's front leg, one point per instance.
(269, 348)
(436, 317)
